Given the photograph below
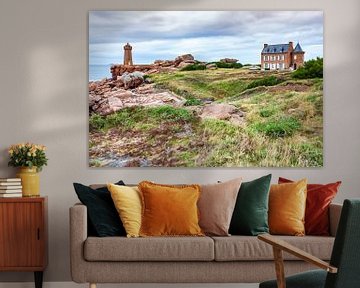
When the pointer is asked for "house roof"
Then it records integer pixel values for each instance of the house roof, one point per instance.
(277, 48)
(298, 48)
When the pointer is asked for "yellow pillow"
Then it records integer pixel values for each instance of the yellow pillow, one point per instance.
(287, 204)
(169, 210)
(127, 201)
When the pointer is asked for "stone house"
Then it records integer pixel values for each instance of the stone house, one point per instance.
(282, 57)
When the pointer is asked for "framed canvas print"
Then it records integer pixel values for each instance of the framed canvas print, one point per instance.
(205, 89)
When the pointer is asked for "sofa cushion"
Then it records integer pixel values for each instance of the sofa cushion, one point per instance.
(149, 249)
(244, 248)
(287, 204)
(318, 199)
(169, 210)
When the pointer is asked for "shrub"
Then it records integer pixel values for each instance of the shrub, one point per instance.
(97, 122)
(279, 127)
(192, 102)
(267, 112)
(311, 69)
(228, 65)
(266, 81)
(170, 113)
(193, 67)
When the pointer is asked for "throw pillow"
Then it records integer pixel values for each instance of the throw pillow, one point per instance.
(102, 215)
(319, 197)
(169, 210)
(216, 206)
(250, 215)
(127, 201)
(287, 204)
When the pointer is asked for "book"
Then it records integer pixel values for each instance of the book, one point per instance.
(10, 180)
(10, 191)
(10, 183)
(10, 195)
(10, 187)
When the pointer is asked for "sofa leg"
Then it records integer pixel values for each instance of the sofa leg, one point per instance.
(92, 285)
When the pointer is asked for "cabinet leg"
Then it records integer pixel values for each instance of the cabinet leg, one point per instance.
(38, 279)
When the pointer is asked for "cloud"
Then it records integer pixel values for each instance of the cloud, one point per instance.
(208, 35)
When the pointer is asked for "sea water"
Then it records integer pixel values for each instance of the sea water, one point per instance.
(98, 72)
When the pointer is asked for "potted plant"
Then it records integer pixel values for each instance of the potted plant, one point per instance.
(30, 158)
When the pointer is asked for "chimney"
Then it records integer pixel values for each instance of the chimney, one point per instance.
(265, 45)
(291, 45)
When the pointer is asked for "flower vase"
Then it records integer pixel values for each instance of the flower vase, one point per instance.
(30, 181)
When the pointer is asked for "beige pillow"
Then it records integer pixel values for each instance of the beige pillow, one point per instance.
(216, 206)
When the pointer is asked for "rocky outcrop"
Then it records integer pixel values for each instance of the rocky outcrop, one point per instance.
(229, 60)
(223, 112)
(158, 66)
(108, 96)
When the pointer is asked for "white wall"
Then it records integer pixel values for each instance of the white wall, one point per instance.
(43, 90)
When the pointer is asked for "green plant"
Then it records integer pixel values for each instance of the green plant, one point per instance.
(97, 122)
(311, 69)
(191, 101)
(228, 65)
(27, 155)
(285, 126)
(266, 81)
(193, 67)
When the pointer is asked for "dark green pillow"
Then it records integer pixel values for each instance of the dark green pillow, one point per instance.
(103, 218)
(250, 216)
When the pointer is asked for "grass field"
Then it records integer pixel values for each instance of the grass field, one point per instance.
(282, 127)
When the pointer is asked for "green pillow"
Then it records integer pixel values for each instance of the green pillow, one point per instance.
(250, 216)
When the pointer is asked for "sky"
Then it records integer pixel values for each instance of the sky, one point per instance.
(207, 35)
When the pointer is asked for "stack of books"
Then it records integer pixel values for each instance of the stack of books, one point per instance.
(10, 187)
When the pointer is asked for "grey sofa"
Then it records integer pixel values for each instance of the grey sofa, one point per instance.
(234, 259)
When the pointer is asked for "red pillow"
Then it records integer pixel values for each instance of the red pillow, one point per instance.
(319, 197)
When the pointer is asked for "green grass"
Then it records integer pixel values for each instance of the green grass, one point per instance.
(282, 127)
(265, 81)
(140, 118)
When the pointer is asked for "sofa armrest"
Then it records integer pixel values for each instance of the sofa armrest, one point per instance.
(78, 235)
(334, 216)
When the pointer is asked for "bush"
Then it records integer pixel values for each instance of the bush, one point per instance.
(192, 102)
(97, 122)
(278, 128)
(311, 69)
(193, 67)
(228, 65)
(266, 81)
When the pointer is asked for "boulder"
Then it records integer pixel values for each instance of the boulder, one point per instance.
(211, 66)
(229, 60)
(183, 64)
(183, 58)
(132, 80)
(221, 112)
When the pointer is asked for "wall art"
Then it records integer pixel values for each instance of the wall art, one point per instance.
(205, 89)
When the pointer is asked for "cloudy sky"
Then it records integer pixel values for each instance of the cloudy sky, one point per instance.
(208, 35)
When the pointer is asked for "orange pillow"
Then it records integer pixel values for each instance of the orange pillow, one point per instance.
(287, 204)
(169, 210)
(318, 200)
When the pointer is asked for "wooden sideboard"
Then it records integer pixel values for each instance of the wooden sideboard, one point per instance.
(23, 235)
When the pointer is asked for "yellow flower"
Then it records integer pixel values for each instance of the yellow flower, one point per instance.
(11, 151)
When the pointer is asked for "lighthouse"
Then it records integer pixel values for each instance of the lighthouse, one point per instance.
(128, 54)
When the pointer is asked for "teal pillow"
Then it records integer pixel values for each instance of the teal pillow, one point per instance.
(250, 216)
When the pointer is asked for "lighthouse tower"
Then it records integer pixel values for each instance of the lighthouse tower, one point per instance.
(128, 55)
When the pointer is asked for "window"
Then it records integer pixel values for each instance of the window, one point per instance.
(294, 57)
(283, 57)
(277, 66)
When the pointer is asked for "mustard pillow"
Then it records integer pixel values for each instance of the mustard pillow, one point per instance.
(287, 204)
(169, 210)
(127, 201)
